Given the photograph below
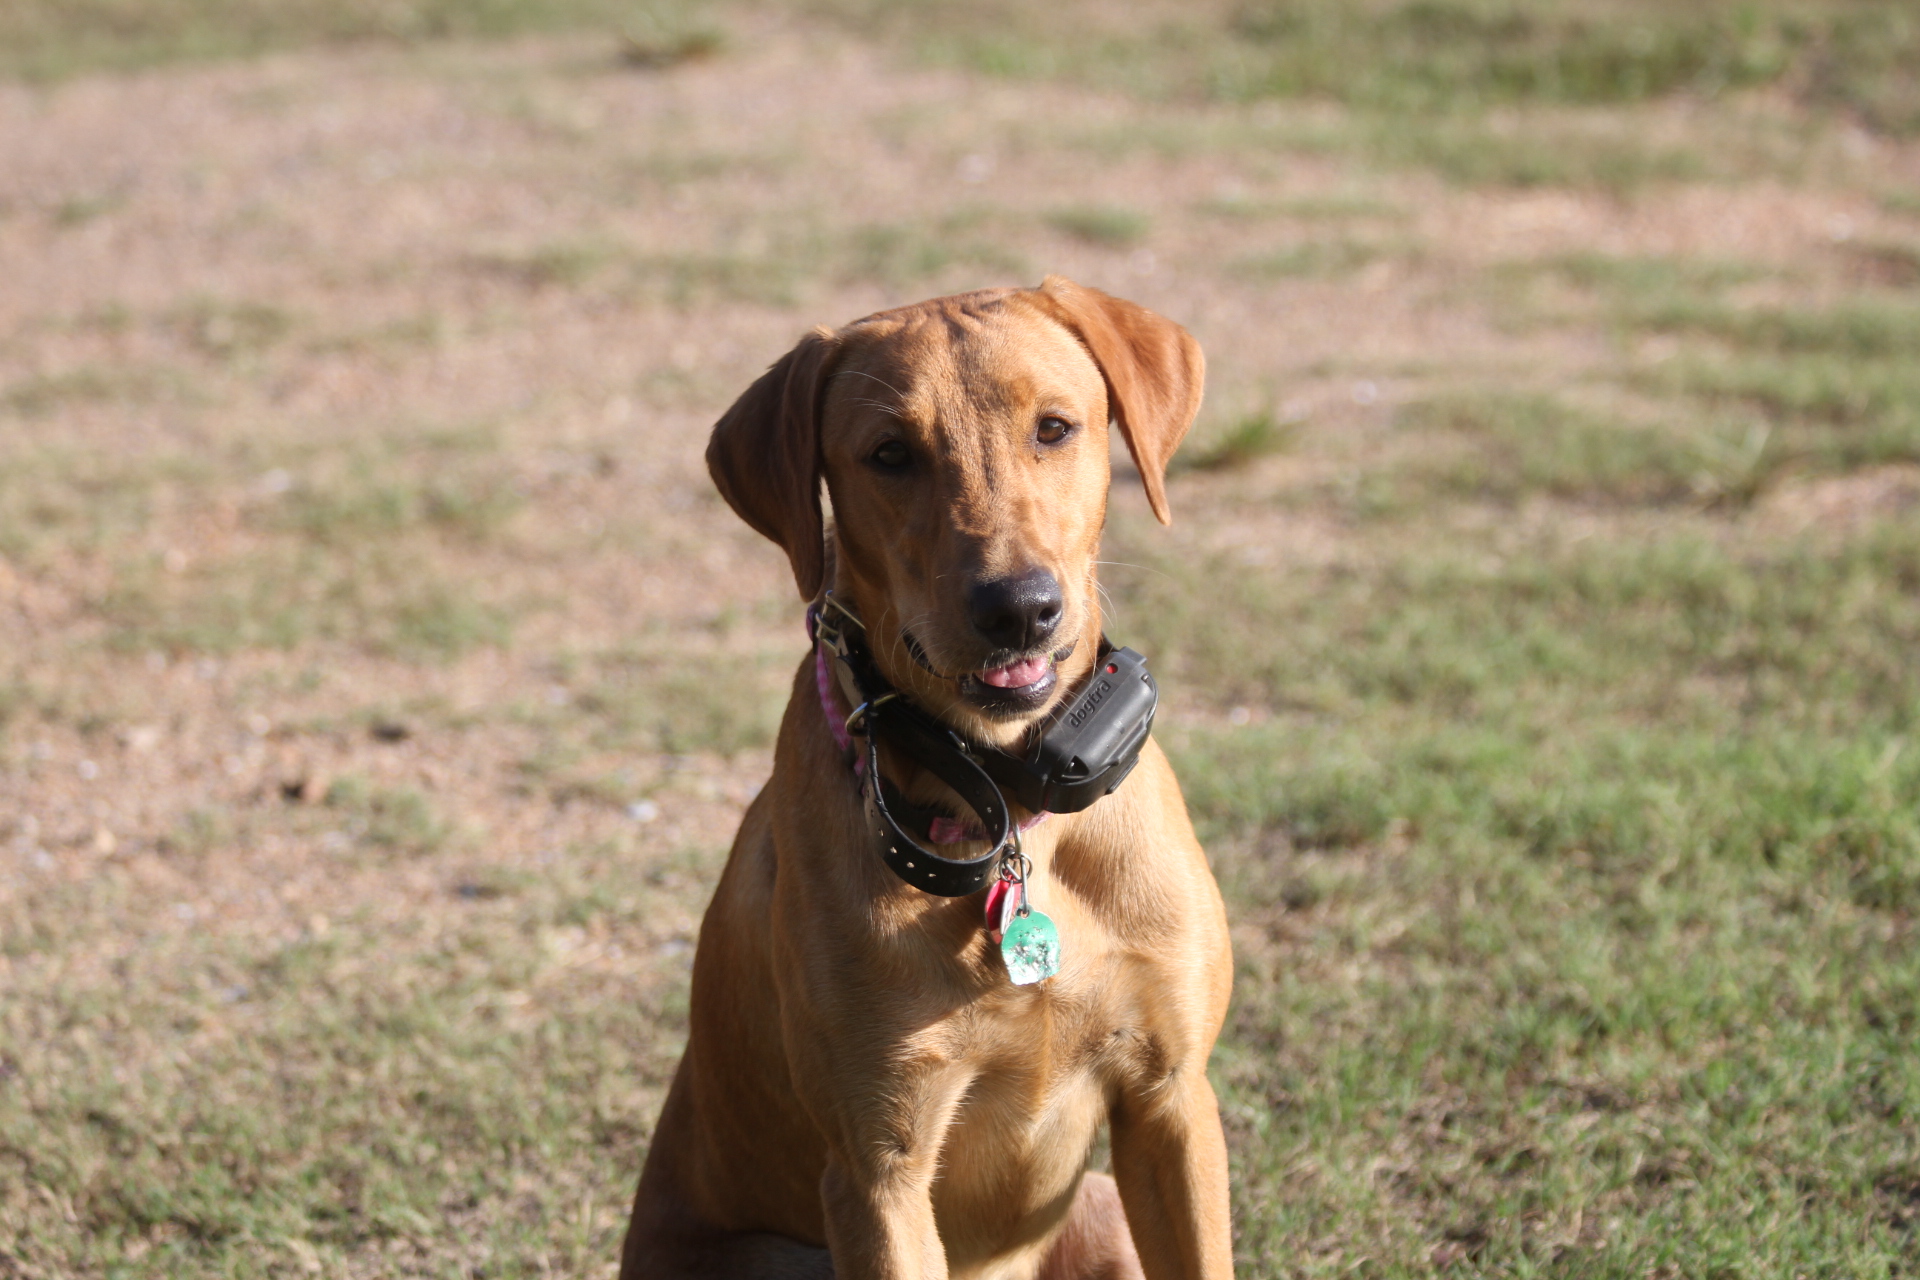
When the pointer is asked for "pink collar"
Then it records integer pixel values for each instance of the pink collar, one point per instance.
(830, 706)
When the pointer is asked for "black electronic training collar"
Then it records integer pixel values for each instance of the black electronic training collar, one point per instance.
(1085, 751)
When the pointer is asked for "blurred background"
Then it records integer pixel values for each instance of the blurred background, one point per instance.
(381, 679)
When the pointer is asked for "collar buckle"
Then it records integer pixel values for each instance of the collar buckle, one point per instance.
(830, 622)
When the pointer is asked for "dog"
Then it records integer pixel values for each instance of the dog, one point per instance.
(877, 1082)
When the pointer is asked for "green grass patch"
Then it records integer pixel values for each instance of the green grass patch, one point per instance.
(78, 211)
(566, 264)
(1446, 56)
(1780, 387)
(1480, 91)
(1109, 226)
(398, 819)
(1313, 260)
(349, 545)
(1545, 151)
(382, 600)
(1837, 386)
(791, 262)
(56, 499)
(43, 395)
(42, 39)
(1639, 287)
(1866, 328)
(1504, 447)
(1683, 632)
(359, 1096)
(655, 39)
(377, 497)
(1423, 55)
(958, 250)
(1331, 208)
(1574, 887)
(692, 693)
(231, 330)
(1245, 441)
(1832, 414)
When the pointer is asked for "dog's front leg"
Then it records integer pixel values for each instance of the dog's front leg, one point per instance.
(880, 1224)
(1170, 1159)
(877, 1191)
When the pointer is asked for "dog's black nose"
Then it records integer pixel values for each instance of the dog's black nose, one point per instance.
(1019, 612)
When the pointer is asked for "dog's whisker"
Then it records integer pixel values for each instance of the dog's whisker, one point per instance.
(861, 373)
(883, 407)
(1144, 568)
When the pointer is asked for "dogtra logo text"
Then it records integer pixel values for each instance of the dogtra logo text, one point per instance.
(1090, 703)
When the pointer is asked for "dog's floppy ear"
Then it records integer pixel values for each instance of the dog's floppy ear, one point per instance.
(765, 456)
(1154, 371)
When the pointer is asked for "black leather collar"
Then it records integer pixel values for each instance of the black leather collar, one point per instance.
(1085, 751)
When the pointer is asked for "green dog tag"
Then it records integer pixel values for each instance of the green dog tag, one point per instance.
(1031, 948)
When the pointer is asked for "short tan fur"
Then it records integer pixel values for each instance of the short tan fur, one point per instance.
(864, 1094)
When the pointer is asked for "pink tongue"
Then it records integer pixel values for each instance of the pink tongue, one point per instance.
(1017, 676)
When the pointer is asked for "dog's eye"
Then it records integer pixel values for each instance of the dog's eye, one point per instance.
(1053, 430)
(892, 456)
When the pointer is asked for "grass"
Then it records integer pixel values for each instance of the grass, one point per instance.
(1315, 208)
(1423, 55)
(377, 496)
(56, 499)
(663, 703)
(397, 819)
(1417, 56)
(1435, 85)
(49, 39)
(291, 596)
(42, 395)
(230, 330)
(1419, 77)
(1508, 446)
(1831, 385)
(342, 552)
(339, 553)
(1109, 226)
(1768, 389)
(1549, 717)
(778, 269)
(1313, 259)
(904, 255)
(237, 1056)
(1678, 630)
(1246, 440)
(1572, 871)
(1545, 151)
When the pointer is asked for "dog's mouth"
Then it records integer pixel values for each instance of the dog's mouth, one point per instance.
(1017, 687)
(1014, 687)
(1024, 674)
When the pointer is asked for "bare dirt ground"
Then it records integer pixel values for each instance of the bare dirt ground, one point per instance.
(361, 563)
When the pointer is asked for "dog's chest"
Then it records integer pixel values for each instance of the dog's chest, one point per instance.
(1043, 1064)
(1020, 1139)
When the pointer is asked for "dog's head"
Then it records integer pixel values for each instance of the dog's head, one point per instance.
(963, 443)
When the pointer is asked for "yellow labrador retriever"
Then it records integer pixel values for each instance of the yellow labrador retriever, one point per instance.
(918, 994)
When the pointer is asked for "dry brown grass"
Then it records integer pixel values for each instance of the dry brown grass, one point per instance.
(364, 605)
